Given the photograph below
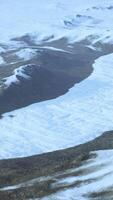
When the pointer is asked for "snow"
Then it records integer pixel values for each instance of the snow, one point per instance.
(54, 49)
(93, 48)
(1, 60)
(46, 18)
(27, 183)
(2, 50)
(74, 115)
(96, 176)
(14, 78)
(84, 113)
(104, 160)
(102, 179)
(81, 115)
(26, 54)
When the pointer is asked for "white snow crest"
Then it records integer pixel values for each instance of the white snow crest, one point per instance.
(26, 54)
(2, 60)
(14, 78)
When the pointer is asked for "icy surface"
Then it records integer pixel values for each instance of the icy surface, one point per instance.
(79, 116)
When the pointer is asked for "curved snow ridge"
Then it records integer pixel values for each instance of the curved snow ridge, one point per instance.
(14, 79)
(84, 113)
(26, 54)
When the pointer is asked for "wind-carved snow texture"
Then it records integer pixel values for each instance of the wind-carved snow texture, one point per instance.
(84, 113)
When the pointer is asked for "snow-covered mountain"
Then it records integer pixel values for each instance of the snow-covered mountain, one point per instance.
(82, 114)
(52, 124)
(45, 48)
(56, 18)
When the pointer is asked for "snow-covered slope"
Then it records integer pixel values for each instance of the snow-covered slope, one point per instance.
(93, 178)
(56, 18)
(26, 54)
(96, 180)
(73, 118)
(79, 116)
(20, 72)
